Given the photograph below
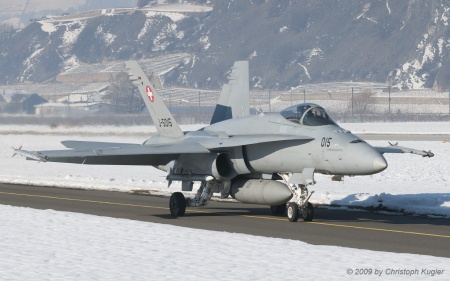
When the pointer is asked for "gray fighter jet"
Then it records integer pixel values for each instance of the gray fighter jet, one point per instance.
(267, 159)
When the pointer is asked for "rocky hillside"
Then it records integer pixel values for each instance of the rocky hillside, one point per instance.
(405, 42)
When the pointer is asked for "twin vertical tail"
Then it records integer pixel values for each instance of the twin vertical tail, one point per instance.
(161, 116)
(234, 99)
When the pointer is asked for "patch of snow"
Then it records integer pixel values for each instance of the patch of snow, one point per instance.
(372, 20)
(364, 11)
(29, 62)
(173, 16)
(167, 70)
(179, 35)
(387, 6)
(444, 17)
(315, 52)
(257, 80)
(71, 34)
(160, 43)
(253, 55)
(283, 29)
(71, 62)
(145, 28)
(306, 70)
(194, 59)
(108, 38)
(205, 40)
(428, 128)
(440, 44)
(48, 27)
(179, 8)
(428, 54)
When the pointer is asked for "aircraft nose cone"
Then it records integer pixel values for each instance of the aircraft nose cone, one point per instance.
(379, 164)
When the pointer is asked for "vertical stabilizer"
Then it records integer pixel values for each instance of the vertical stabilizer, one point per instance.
(234, 100)
(163, 120)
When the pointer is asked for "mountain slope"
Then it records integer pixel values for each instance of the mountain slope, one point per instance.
(404, 43)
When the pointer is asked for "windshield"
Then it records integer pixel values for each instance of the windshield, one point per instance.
(308, 115)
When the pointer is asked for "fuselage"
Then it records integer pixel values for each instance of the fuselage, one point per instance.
(328, 148)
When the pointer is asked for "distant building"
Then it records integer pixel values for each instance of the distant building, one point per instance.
(30, 103)
(22, 103)
(85, 100)
(66, 109)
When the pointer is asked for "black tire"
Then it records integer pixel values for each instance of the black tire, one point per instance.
(278, 210)
(308, 212)
(177, 204)
(292, 212)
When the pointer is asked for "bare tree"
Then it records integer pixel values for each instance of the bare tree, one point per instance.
(123, 96)
(361, 104)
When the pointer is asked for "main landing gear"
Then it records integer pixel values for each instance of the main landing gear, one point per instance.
(299, 204)
(293, 212)
(178, 202)
(278, 210)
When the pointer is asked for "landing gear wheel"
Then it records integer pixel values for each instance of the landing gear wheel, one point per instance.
(177, 204)
(278, 210)
(292, 212)
(308, 212)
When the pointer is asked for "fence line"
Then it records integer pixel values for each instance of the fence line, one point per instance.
(351, 102)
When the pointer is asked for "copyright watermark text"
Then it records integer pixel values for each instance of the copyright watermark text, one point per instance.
(396, 271)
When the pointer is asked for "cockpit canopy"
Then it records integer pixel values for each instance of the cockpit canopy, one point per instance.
(308, 114)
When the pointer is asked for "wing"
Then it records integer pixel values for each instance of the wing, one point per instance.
(153, 155)
(74, 144)
(101, 153)
(394, 148)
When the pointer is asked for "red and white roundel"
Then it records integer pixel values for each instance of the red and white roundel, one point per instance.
(150, 95)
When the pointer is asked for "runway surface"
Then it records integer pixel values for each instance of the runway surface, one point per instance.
(363, 230)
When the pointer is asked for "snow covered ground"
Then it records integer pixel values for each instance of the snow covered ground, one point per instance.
(49, 245)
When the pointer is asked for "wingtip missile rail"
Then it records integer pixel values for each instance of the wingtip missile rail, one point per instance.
(423, 153)
(34, 155)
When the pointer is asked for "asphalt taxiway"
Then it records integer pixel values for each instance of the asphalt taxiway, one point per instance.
(363, 230)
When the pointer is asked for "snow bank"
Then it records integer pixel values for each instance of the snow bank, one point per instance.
(49, 245)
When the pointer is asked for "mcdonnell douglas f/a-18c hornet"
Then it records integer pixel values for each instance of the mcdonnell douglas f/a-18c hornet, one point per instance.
(267, 159)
